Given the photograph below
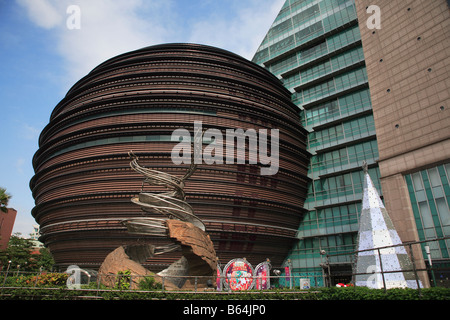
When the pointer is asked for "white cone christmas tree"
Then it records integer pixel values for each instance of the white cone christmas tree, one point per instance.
(376, 230)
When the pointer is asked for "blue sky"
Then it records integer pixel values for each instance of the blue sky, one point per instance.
(41, 58)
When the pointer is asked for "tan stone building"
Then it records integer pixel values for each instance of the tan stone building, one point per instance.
(408, 67)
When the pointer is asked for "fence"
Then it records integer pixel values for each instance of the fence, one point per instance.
(18, 279)
(422, 272)
(80, 278)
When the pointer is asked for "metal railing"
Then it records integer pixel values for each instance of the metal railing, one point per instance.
(410, 249)
(120, 282)
(13, 278)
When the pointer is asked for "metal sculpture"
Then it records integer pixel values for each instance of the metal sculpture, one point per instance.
(172, 205)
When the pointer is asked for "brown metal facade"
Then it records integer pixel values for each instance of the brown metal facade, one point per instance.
(83, 182)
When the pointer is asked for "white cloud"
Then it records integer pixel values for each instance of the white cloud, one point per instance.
(19, 165)
(243, 32)
(43, 13)
(112, 27)
(108, 28)
(29, 132)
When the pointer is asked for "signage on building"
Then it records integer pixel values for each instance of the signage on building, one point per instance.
(287, 271)
(238, 275)
(262, 273)
(219, 279)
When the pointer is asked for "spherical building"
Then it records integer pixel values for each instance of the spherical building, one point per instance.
(83, 182)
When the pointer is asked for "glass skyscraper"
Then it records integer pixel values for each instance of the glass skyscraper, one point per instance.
(315, 48)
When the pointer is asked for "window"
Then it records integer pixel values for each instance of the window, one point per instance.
(309, 32)
(280, 28)
(282, 46)
(343, 38)
(315, 72)
(284, 65)
(313, 52)
(339, 18)
(347, 58)
(306, 15)
(261, 55)
(351, 78)
(429, 193)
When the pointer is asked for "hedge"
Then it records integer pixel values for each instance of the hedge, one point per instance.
(323, 294)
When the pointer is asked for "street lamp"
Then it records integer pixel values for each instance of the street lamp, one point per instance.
(6, 275)
(427, 250)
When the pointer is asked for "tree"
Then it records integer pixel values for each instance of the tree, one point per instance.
(4, 199)
(45, 259)
(19, 252)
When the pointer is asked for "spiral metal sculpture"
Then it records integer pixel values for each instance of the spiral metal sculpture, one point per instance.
(171, 204)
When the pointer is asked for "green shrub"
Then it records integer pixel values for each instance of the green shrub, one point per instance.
(124, 280)
(437, 293)
(42, 280)
(42, 287)
(363, 293)
(149, 283)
